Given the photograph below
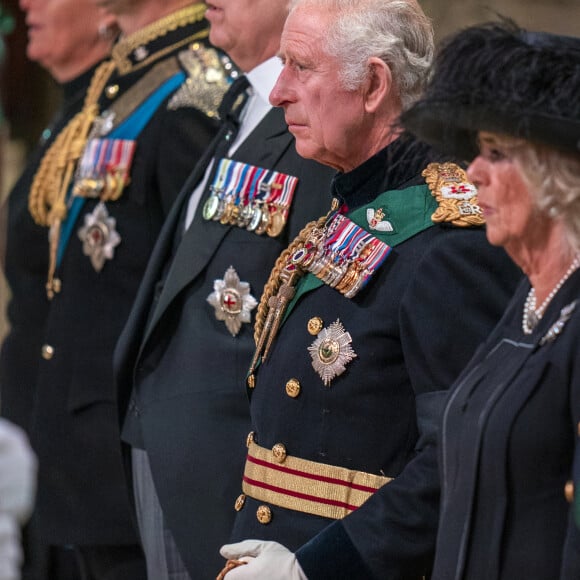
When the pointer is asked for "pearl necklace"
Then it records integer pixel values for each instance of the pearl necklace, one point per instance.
(533, 315)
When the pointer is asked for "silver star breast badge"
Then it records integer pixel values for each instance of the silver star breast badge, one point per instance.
(331, 352)
(99, 236)
(232, 301)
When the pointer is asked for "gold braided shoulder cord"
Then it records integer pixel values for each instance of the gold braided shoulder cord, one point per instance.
(47, 198)
(275, 280)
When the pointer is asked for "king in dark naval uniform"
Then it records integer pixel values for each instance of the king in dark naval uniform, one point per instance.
(367, 317)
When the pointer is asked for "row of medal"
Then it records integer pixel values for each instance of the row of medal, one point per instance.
(250, 197)
(104, 169)
(342, 254)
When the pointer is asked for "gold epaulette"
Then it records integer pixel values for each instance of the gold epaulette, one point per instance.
(209, 74)
(455, 194)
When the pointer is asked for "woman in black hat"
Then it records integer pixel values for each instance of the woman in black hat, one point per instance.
(508, 100)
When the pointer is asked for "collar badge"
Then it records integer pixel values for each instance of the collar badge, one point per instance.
(376, 221)
(140, 53)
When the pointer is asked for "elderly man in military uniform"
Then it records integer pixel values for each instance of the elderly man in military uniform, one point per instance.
(181, 359)
(100, 195)
(358, 333)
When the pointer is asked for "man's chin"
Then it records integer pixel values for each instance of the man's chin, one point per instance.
(306, 150)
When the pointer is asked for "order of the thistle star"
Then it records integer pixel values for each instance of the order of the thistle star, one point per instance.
(331, 351)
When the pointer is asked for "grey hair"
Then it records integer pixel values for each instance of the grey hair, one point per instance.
(396, 31)
(553, 179)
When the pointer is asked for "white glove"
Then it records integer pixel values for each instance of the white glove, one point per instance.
(266, 561)
(10, 550)
(18, 468)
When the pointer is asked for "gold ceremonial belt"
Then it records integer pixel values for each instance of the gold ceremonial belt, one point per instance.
(306, 486)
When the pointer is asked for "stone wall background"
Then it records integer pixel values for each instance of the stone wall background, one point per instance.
(559, 16)
(30, 96)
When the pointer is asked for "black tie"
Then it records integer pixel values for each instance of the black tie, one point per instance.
(230, 111)
(231, 102)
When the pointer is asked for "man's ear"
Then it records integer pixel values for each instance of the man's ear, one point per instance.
(378, 85)
(107, 25)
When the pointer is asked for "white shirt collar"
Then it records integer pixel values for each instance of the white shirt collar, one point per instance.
(264, 77)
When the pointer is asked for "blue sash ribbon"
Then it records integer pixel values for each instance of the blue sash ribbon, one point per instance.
(129, 129)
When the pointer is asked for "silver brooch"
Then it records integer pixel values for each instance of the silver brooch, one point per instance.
(99, 236)
(232, 301)
(556, 328)
(331, 352)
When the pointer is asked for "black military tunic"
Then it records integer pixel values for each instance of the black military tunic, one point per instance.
(390, 351)
(26, 264)
(82, 494)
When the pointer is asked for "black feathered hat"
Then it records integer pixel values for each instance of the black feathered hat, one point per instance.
(497, 77)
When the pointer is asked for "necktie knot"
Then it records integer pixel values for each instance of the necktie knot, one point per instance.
(232, 105)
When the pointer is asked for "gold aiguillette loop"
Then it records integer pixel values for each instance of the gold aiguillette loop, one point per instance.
(283, 298)
(272, 301)
(276, 307)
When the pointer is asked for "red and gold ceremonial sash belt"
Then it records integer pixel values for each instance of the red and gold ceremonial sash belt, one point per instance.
(306, 486)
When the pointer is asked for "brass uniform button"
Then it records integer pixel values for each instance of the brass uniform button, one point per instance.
(264, 514)
(250, 438)
(47, 351)
(293, 388)
(111, 91)
(279, 453)
(569, 491)
(251, 381)
(315, 325)
(195, 46)
(240, 502)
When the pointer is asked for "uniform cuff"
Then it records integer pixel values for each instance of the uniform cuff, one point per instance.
(330, 555)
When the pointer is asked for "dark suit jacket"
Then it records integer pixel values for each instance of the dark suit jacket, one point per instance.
(508, 441)
(82, 495)
(186, 371)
